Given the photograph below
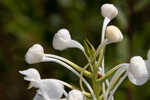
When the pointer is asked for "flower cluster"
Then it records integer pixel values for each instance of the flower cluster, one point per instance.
(102, 87)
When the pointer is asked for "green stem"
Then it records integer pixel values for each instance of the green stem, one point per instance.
(111, 72)
(95, 84)
(114, 80)
(75, 66)
(101, 97)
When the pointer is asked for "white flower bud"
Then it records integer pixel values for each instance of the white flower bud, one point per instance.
(113, 34)
(75, 95)
(34, 54)
(62, 40)
(109, 11)
(137, 72)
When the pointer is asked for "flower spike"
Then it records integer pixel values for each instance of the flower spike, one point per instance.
(62, 40)
(137, 72)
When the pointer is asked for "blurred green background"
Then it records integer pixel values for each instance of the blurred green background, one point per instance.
(26, 22)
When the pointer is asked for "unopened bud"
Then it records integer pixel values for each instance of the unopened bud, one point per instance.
(34, 54)
(62, 40)
(109, 11)
(113, 34)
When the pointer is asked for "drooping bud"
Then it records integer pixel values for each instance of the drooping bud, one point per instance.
(113, 34)
(109, 11)
(75, 95)
(137, 72)
(34, 54)
(62, 40)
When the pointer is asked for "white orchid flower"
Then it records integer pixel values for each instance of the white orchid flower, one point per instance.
(48, 89)
(59, 60)
(34, 54)
(137, 71)
(46, 59)
(75, 95)
(62, 40)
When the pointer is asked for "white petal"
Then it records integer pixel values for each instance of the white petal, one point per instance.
(137, 71)
(34, 54)
(52, 88)
(76, 95)
(75, 44)
(109, 11)
(136, 81)
(64, 34)
(31, 74)
(38, 97)
(62, 40)
(113, 34)
(41, 96)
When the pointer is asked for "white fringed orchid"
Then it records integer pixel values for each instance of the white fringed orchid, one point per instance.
(62, 40)
(75, 95)
(48, 89)
(59, 60)
(137, 71)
